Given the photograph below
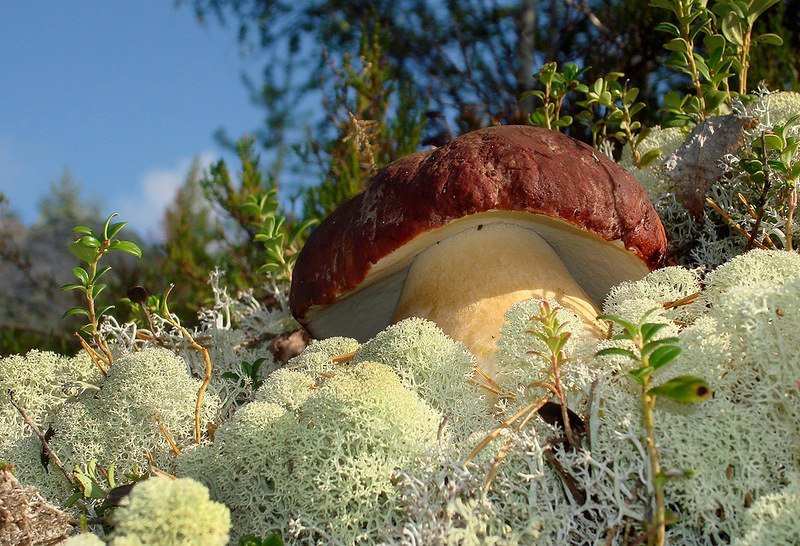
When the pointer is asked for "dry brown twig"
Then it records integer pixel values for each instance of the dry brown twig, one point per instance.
(733, 223)
(167, 435)
(45, 443)
(175, 323)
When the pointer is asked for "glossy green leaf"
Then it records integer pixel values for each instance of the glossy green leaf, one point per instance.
(685, 388)
(75, 311)
(127, 247)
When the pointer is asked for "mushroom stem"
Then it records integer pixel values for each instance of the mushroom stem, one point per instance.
(467, 282)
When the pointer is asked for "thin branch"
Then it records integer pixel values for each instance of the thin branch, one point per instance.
(167, 435)
(196, 346)
(92, 353)
(732, 222)
(45, 443)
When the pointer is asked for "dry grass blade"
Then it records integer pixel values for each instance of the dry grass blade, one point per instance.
(691, 298)
(488, 378)
(485, 387)
(732, 222)
(169, 317)
(507, 446)
(344, 358)
(166, 434)
(533, 406)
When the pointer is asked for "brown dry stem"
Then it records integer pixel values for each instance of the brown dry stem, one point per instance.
(173, 320)
(167, 435)
(45, 443)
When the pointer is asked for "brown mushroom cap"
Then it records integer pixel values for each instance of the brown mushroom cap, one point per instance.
(593, 213)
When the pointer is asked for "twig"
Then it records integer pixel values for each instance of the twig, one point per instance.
(92, 353)
(686, 300)
(732, 222)
(38, 433)
(166, 434)
(762, 199)
(344, 358)
(754, 216)
(533, 406)
(196, 346)
(577, 494)
(790, 217)
(507, 447)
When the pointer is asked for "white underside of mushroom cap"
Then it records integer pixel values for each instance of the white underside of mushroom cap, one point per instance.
(594, 263)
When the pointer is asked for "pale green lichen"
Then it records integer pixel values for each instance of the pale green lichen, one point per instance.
(116, 424)
(773, 519)
(434, 366)
(84, 539)
(317, 356)
(287, 388)
(518, 366)
(40, 382)
(665, 140)
(165, 512)
(328, 463)
(749, 269)
(631, 299)
(783, 106)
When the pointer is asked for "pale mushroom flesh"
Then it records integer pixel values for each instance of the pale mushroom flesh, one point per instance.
(489, 261)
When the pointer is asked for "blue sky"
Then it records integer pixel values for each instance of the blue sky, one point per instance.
(123, 93)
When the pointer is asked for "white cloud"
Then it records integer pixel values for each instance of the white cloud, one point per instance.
(144, 207)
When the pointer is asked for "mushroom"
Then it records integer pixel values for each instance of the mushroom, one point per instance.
(459, 234)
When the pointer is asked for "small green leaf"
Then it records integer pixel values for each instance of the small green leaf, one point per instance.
(106, 236)
(653, 345)
(651, 329)
(83, 253)
(91, 489)
(684, 388)
(101, 272)
(81, 230)
(127, 247)
(230, 376)
(75, 311)
(732, 29)
(769, 38)
(97, 288)
(664, 355)
(81, 275)
(648, 158)
(617, 351)
(115, 228)
(89, 241)
(68, 287)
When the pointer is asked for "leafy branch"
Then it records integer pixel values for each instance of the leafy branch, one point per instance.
(652, 354)
(90, 248)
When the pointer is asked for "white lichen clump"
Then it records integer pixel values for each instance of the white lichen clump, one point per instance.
(773, 519)
(322, 468)
(116, 424)
(432, 365)
(165, 512)
(39, 382)
(735, 448)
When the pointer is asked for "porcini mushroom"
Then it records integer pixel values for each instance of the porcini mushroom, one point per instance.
(461, 233)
